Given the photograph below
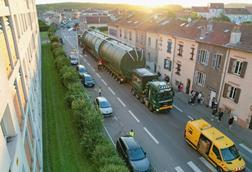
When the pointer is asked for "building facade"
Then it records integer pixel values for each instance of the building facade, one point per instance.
(20, 88)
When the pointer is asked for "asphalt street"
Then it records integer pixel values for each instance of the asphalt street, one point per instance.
(160, 134)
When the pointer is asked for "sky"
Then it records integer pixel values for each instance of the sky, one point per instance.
(151, 3)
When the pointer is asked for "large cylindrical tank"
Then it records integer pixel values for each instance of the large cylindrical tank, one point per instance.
(92, 41)
(120, 58)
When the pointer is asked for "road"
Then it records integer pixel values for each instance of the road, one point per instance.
(161, 135)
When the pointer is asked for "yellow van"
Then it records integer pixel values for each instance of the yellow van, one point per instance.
(216, 147)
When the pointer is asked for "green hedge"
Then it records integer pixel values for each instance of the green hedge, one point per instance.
(88, 120)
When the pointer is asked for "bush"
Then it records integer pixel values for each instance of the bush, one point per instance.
(89, 139)
(68, 75)
(55, 45)
(61, 61)
(59, 52)
(54, 39)
(43, 27)
(114, 168)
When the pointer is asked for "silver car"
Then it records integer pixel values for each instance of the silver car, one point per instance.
(104, 106)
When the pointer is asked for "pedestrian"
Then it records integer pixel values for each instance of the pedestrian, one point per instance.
(99, 92)
(131, 133)
(199, 97)
(230, 121)
(181, 88)
(213, 102)
(220, 115)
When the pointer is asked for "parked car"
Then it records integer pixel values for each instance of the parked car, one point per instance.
(81, 69)
(87, 80)
(133, 154)
(104, 106)
(74, 59)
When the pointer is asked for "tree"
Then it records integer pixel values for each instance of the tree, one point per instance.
(221, 18)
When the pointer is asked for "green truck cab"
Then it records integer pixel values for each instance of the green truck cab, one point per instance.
(156, 95)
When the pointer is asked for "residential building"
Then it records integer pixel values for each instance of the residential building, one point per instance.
(211, 60)
(185, 51)
(238, 15)
(215, 9)
(20, 88)
(236, 97)
(93, 21)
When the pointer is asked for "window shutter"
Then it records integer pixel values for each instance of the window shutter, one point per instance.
(207, 58)
(243, 70)
(237, 95)
(225, 90)
(195, 77)
(170, 65)
(204, 80)
(231, 63)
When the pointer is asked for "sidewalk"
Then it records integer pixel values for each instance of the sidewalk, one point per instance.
(238, 133)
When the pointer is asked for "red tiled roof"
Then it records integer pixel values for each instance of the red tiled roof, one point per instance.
(216, 5)
(241, 11)
(97, 19)
(200, 9)
(246, 39)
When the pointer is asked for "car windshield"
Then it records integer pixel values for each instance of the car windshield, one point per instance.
(165, 95)
(104, 104)
(230, 153)
(88, 78)
(136, 154)
(82, 70)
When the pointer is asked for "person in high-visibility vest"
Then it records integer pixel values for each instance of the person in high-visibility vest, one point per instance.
(131, 133)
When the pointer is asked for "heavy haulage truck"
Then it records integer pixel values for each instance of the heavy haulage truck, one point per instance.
(126, 64)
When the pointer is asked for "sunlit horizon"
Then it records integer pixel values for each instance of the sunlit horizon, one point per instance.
(151, 3)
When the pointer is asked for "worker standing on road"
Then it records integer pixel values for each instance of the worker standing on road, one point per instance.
(99, 91)
(131, 133)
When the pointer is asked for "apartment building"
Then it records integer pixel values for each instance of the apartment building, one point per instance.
(20, 88)
(236, 97)
(211, 60)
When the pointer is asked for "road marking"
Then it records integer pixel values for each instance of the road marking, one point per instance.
(178, 108)
(115, 118)
(246, 148)
(132, 114)
(97, 74)
(104, 82)
(111, 91)
(179, 169)
(245, 157)
(153, 138)
(193, 166)
(124, 105)
(206, 163)
(109, 136)
(190, 117)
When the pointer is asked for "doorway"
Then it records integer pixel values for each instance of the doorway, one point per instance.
(212, 95)
(188, 85)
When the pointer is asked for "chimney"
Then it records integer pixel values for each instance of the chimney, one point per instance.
(235, 36)
(209, 27)
(203, 32)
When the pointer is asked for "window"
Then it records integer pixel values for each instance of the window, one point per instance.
(113, 32)
(130, 36)
(180, 50)
(125, 34)
(216, 152)
(178, 69)
(120, 32)
(160, 43)
(200, 78)
(167, 64)
(192, 53)
(203, 57)
(169, 47)
(149, 41)
(231, 92)
(156, 46)
(237, 67)
(216, 61)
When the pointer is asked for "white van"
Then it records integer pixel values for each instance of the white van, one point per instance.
(74, 59)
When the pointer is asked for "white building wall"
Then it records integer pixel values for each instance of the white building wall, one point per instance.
(151, 53)
(163, 54)
(243, 109)
(186, 61)
(24, 42)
